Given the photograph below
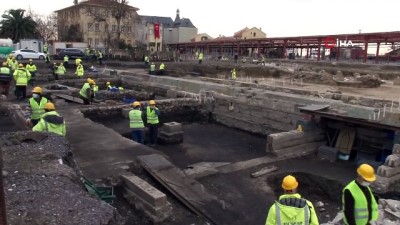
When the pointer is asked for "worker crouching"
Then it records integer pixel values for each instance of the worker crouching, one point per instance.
(86, 91)
(291, 208)
(51, 121)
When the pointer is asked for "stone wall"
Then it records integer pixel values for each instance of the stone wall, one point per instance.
(388, 175)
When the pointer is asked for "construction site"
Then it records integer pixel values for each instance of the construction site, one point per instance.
(223, 148)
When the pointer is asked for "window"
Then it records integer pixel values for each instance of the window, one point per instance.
(96, 41)
(97, 27)
(106, 27)
(150, 31)
(90, 26)
(129, 29)
(114, 28)
(89, 41)
(122, 29)
(254, 34)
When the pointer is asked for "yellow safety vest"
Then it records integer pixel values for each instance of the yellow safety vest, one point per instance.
(361, 213)
(61, 70)
(22, 76)
(162, 66)
(84, 89)
(65, 58)
(37, 109)
(152, 67)
(31, 67)
(135, 119)
(80, 71)
(43, 125)
(233, 74)
(13, 65)
(5, 71)
(152, 117)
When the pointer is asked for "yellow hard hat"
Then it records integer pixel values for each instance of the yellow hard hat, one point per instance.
(367, 172)
(37, 90)
(108, 83)
(30, 60)
(4, 64)
(289, 183)
(20, 65)
(152, 102)
(49, 106)
(136, 103)
(91, 81)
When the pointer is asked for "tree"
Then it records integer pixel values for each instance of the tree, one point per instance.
(118, 10)
(16, 25)
(46, 25)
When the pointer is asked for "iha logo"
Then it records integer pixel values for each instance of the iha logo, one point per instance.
(331, 42)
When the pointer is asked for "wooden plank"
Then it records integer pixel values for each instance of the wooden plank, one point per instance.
(69, 98)
(314, 107)
(190, 192)
(264, 171)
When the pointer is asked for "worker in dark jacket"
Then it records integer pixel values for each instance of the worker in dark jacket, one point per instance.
(359, 204)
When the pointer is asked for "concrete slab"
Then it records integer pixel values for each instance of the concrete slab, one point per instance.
(98, 150)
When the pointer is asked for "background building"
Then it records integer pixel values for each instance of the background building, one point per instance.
(201, 37)
(98, 23)
(252, 33)
(182, 30)
(145, 31)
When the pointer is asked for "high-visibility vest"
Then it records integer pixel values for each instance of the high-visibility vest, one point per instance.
(22, 76)
(201, 56)
(66, 58)
(44, 125)
(152, 67)
(45, 48)
(83, 91)
(100, 55)
(5, 71)
(146, 59)
(80, 71)
(135, 119)
(361, 212)
(95, 88)
(37, 109)
(13, 64)
(61, 70)
(233, 72)
(151, 114)
(162, 66)
(31, 67)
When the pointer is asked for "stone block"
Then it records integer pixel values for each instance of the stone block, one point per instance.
(148, 193)
(60, 102)
(396, 149)
(385, 171)
(172, 128)
(125, 112)
(393, 161)
(328, 153)
(167, 138)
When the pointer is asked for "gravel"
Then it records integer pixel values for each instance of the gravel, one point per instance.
(41, 188)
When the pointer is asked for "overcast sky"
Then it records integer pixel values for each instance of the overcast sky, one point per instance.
(277, 18)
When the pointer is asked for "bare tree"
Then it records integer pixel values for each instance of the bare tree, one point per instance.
(113, 10)
(46, 25)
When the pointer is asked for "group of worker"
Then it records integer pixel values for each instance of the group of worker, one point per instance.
(152, 66)
(358, 203)
(92, 54)
(22, 76)
(136, 122)
(42, 115)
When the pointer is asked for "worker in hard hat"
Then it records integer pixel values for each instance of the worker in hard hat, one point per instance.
(233, 74)
(136, 123)
(162, 68)
(108, 85)
(152, 114)
(78, 61)
(359, 204)
(146, 61)
(13, 64)
(54, 68)
(201, 57)
(152, 70)
(66, 58)
(291, 208)
(79, 70)
(36, 106)
(95, 89)
(51, 121)
(86, 91)
(5, 79)
(32, 69)
(61, 70)
(21, 77)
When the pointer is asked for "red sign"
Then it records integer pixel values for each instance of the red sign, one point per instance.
(156, 30)
(330, 42)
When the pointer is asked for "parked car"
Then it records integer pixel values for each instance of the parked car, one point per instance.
(28, 54)
(72, 53)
